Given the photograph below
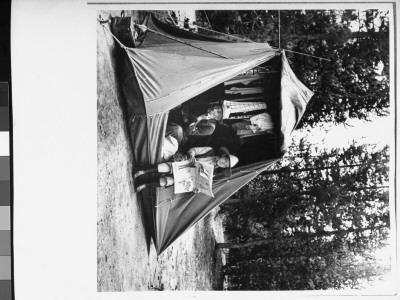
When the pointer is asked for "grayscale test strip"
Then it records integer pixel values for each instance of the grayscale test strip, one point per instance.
(5, 197)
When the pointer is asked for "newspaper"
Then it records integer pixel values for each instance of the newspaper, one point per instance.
(195, 177)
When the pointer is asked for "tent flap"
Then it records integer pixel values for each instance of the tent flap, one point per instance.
(294, 98)
(177, 213)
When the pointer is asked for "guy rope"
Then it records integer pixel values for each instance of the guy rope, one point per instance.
(144, 28)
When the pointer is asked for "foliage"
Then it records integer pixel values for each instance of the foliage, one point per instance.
(292, 268)
(315, 221)
(353, 83)
(314, 215)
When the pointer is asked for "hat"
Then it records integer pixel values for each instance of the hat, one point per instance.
(233, 160)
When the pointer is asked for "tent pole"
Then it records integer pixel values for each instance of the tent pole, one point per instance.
(208, 21)
(279, 28)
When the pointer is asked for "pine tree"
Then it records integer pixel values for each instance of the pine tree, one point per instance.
(334, 205)
(353, 81)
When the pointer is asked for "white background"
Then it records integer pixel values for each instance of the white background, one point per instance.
(55, 154)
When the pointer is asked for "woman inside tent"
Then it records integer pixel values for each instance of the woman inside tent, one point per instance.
(222, 161)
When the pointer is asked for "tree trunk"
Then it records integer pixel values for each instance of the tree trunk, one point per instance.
(310, 192)
(370, 188)
(266, 241)
(313, 37)
(308, 169)
(275, 38)
(250, 243)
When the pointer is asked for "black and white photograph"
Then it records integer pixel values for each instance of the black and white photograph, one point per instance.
(244, 149)
(199, 149)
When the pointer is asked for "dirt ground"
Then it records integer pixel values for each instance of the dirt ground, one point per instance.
(123, 263)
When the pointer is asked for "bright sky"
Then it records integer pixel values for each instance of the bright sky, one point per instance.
(354, 26)
(379, 131)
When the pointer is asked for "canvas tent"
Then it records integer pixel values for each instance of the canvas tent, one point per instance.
(164, 73)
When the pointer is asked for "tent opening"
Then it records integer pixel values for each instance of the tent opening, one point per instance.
(248, 113)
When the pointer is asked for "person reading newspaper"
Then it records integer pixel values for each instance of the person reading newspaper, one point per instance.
(175, 135)
(204, 159)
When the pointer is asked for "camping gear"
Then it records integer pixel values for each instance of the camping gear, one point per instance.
(232, 107)
(263, 121)
(244, 79)
(244, 91)
(173, 67)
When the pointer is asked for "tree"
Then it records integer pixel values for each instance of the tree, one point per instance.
(302, 265)
(353, 83)
(300, 235)
(334, 206)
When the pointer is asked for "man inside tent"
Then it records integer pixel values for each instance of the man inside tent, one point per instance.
(222, 161)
